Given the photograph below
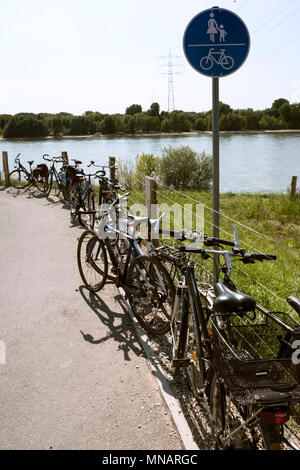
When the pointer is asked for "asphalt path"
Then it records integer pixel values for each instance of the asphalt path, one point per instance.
(75, 375)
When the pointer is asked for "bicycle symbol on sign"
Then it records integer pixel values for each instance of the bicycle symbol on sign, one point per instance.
(219, 57)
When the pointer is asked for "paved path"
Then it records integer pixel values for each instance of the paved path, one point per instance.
(75, 374)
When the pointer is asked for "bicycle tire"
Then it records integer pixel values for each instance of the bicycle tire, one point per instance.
(229, 62)
(18, 179)
(50, 182)
(57, 185)
(74, 200)
(88, 220)
(225, 414)
(209, 63)
(41, 183)
(92, 261)
(153, 307)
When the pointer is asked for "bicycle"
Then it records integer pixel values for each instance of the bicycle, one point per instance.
(82, 198)
(145, 281)
(21, 178)
(55, 177)
(247, 396)
(207, 62)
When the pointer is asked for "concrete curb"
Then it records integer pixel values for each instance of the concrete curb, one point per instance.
(167, 394)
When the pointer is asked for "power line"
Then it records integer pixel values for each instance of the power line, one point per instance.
(275, 16)
(280, 23)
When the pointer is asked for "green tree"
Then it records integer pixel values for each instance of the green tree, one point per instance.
(133, 109)
(19, 126)
(199, 124)
(108, 125)
(154, 109)
(165, 125)
(57, 125)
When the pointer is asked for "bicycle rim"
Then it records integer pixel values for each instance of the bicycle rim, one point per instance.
(92, 261)
(18, 179)
(152, 305)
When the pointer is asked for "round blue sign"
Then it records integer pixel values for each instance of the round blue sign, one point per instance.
(216, 42)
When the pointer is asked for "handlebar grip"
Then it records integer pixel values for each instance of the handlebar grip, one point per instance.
(263, 257)
(210, 241)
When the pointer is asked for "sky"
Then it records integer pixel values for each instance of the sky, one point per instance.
(99, 55)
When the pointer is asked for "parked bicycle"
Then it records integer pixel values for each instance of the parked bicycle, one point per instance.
(236, 354)
(55, 180)
(145, 281)
(21, 178)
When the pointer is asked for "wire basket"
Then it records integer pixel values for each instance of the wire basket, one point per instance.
(246, 353)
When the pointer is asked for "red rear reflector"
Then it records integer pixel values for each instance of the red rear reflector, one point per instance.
(275, 417)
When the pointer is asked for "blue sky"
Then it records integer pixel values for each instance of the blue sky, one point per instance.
(78, 55)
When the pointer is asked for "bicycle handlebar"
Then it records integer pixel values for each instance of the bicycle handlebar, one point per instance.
(53, 159)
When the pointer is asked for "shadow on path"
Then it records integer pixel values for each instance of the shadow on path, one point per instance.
(120, 327)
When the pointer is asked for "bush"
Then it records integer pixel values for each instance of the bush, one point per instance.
(148, 165)
(182, 168)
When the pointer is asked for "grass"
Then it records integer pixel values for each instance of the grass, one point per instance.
(276, 216)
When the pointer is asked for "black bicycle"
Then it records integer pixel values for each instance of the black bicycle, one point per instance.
(116, 254)
(236, 354)
(55, 179)
(21, 178)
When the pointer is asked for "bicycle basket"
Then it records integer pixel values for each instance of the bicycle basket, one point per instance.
(246, 354)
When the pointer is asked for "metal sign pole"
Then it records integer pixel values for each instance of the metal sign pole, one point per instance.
(216, 43)
(216, 169)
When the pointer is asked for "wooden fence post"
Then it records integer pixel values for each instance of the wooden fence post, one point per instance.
(151, 201)
(294, 186)
(5, 168)
(65, 158)
(112, 168)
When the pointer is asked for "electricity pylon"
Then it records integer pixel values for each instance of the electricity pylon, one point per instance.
(171, 73)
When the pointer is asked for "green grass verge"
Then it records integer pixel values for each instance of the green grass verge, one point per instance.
(276, 216)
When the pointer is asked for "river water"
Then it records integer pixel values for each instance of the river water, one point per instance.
(248, 162)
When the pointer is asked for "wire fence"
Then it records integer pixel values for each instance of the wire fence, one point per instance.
(266, 284)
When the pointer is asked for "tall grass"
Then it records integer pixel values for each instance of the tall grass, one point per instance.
(275, 216)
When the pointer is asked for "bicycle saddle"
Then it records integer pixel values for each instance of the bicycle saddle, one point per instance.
(229, 301)
(78, 162)
(295, 303)
(31, 162)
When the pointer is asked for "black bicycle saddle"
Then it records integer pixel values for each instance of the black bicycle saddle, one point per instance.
(229, 301)
(295, 303)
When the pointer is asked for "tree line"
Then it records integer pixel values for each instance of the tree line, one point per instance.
(282, 115)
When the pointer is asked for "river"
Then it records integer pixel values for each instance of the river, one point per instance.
(260, 162)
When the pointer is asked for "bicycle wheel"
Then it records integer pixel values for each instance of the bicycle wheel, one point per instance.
(55, 184)
(18, 179)
(152, 305)
(50, 182)
(87, 218)
(206, 63)
(75, 200)
(92, 261)
(42, 184)
(227, 417)
(227, 62)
